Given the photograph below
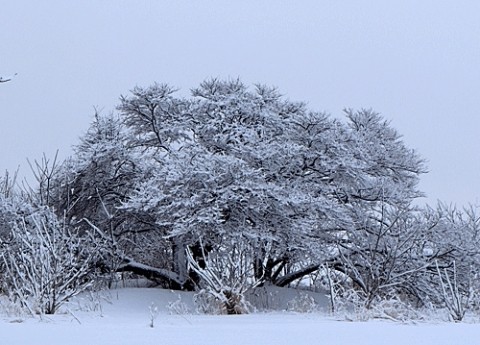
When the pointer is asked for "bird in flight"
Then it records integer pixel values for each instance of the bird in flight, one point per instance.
(4, 80)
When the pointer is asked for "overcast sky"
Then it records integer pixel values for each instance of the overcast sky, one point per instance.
(416, 62)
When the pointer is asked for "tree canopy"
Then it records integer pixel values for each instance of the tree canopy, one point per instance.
(236, 187)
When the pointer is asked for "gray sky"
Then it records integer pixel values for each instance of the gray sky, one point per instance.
(416, 62)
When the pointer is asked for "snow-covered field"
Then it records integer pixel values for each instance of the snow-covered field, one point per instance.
(125, 316)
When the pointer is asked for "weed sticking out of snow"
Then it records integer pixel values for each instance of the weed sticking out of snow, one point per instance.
(153, 314)
(303, 303)
(91, 301)
(10, 309)
(178, 307)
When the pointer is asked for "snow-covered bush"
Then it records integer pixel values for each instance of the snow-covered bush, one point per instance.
(207, 303)
(45, 263)
(455, 301)
(303, 303)
(452, 247)
(178, 307)
(353, 306)
(264, 298)
(92, 301)
(225, 279)
(11, 309)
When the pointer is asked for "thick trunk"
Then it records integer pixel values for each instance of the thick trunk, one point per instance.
(258, 268)
(153, 273)
(188, 276)
(179, 264)
(287, 279)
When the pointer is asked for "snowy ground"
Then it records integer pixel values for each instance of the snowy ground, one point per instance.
(124, 318)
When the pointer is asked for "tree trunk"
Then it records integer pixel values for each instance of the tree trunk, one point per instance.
(287, 279)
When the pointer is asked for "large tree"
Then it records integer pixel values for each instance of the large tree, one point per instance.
(254, 166)
(234, 165)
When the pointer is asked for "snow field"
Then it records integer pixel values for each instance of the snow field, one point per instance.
(125, 319)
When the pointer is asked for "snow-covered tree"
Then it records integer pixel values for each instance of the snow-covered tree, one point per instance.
(233, 188)
(377, 183)
(229, 172)
(232, 164)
